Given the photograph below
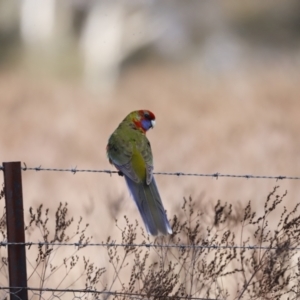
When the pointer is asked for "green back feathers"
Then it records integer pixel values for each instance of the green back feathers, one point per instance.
(129, 150)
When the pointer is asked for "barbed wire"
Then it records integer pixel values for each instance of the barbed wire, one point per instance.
(108, 293)
(181, 246)
(110, 172)
(79, 245)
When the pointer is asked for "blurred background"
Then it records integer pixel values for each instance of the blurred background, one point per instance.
(221, 77)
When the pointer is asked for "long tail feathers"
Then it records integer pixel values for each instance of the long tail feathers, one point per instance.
(150, 207)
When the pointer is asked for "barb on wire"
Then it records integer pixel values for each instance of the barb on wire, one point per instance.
(81, 245)
(216, 175)
(108, 293)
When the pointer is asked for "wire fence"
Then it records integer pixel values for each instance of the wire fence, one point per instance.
(79, 293)
(15, 291)
(110, 172)
(157, 246)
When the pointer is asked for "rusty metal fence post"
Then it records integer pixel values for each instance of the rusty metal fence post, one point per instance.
(15, 230)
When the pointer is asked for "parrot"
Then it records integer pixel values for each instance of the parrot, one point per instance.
(129, 150)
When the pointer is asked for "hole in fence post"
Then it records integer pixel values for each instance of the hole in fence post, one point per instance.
(15, 230)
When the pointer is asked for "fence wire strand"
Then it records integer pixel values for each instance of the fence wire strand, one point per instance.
(178, 174)
(143, 245)
(92, 291)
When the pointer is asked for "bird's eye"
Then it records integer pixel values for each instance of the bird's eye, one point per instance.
(146, 115)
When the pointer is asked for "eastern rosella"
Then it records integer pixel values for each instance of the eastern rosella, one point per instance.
(130, 152)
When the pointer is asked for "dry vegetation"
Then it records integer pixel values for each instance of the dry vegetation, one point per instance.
(232, 254)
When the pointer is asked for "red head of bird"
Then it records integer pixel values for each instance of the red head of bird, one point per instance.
(143, 119)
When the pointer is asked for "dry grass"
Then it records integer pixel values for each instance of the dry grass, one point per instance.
(199, 260)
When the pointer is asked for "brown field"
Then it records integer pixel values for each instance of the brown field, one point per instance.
(247, 122)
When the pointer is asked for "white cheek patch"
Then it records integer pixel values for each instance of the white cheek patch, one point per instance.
(153, 123)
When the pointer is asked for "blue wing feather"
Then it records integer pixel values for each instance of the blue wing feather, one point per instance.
(149, 204)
